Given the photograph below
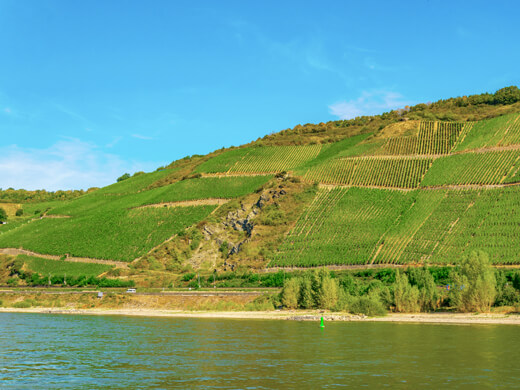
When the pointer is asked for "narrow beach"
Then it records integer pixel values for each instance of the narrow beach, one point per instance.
(432, 318)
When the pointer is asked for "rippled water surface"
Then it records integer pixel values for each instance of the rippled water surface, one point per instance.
(91, 352)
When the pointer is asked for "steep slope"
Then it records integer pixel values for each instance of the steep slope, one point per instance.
(392, 189)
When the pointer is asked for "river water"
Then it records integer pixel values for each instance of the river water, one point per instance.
(93, 352)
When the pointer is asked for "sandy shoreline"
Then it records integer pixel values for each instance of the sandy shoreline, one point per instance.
(432, 318)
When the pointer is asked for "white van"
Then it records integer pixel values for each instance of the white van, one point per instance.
(131, 290)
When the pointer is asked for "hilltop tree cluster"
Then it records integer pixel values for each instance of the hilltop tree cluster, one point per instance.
(25, 196)
(465, 108)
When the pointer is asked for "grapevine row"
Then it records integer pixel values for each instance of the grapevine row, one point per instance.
(372, 171)
(275, 158)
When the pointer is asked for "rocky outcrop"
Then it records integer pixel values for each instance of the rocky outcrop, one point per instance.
(241, 220)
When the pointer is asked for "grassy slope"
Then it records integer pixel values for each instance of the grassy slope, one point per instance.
(104, 225)
(55, 267)
(120, 235)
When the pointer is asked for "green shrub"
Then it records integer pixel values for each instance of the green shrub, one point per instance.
(193, 284)
(369, 305)
(23, 304)
(265, 302)
(19, 212)
(187, 277)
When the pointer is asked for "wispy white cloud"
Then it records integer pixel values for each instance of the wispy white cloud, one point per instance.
(70, 112)
(68, 164)
(144, 137)
(369, 103)
(114, 142)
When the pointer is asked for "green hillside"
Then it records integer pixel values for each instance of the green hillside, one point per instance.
(423, 185)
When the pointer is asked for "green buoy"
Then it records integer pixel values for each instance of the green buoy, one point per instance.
(322, 325)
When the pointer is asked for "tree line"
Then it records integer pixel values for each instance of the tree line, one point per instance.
(472, 286)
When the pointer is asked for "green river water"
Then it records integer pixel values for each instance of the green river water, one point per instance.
(93, 352)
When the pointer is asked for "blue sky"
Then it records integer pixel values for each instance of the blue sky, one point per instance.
(92, 89)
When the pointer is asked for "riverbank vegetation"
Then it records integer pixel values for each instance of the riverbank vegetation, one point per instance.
(472, 286)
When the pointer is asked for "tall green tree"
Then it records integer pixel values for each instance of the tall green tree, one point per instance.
(475, 283)
(406, 297)
(423, 279)
(291, 293)
(306, 294)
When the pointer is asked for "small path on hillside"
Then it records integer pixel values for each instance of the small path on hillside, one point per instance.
(433, 156)
(56, 216)
(187, 203)
(332, 186)
(469, 186)
(489, 149)
(440, 187)
(16, 252)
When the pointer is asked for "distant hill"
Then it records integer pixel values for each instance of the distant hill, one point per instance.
(425, 184)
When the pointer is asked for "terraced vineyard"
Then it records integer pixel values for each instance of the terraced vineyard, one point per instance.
(474, 168)
(271, 159)
(439, 228)
(341, 226)
(500, 131)
(393, 243)
(371, 171)
(433, 227)
(433, 138)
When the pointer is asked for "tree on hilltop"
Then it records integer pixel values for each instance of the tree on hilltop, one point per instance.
(507, 95)
(123, 177)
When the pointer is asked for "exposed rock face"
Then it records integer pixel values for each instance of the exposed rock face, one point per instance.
(242, 220)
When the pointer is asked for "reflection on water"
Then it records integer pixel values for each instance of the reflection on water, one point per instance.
(71, 352)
